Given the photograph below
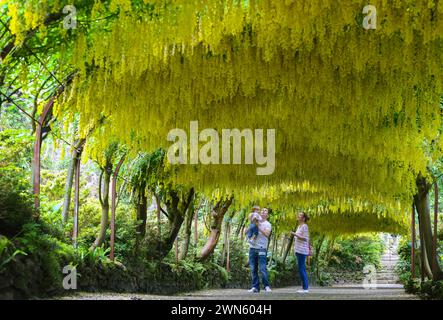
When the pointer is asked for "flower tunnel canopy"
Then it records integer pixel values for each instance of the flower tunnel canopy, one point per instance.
(351, 108)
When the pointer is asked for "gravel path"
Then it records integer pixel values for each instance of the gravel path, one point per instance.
(289, 293)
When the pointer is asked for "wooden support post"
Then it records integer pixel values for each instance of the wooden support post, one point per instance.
(413, 242)
(114, 207)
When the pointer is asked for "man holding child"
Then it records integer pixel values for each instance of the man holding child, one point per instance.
(258, 236)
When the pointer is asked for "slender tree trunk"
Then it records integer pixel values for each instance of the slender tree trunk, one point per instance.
(435, 267)
(105, 208)
(196, 229)
(36, 165)
(218, 212)
(423, 271)
(330, 250)
(68, 188)
(141, 213)
(114, 206)
(75, 161)
(242, 220)
(176, 249)
(242, 233)
(228, 255)
(159, 216)
(43, 125)
(76, 200)
(187, 234)
(317, 256)
(274, 246)
(288, 247)
(224, 247)
(226, 236)
(283, 245)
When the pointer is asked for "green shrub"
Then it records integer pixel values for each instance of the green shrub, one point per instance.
(354, 253)
(15, 208)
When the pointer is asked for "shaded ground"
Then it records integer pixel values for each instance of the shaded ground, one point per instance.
(289, 293)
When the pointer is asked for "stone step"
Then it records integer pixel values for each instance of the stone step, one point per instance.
(386, 274)
(387, 278)
(387, 270)
(386, 281)
(383, 273)
(389, 258)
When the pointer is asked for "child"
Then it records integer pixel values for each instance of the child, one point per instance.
(253, 229)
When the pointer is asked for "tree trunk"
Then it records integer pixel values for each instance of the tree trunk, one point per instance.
(141, 213)
(330, 250)
(228, 249)
(425, 269)
(288, 247)
(421, 201)
(104, 200)
(114, 206)
(317, 256)
(43, 120)
(218, 212)
(283, 245)
(274, 247)
(176, 210)
(413, 242)
(75, 161)
(434, 240)
(242, 233)
(242, 220)
(187, 236)
(196, 228)
(159, 216)
(226, 236)
(43, 125)
(76, 200)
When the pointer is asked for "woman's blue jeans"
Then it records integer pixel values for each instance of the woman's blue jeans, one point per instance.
(301, 260)
(257, 263)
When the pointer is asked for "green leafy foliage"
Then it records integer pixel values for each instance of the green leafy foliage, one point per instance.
(15, 205)
(8, 251)
(356, 252)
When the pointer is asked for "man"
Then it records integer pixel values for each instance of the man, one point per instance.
(258, 254)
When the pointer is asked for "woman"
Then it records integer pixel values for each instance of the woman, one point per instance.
(301, 245)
